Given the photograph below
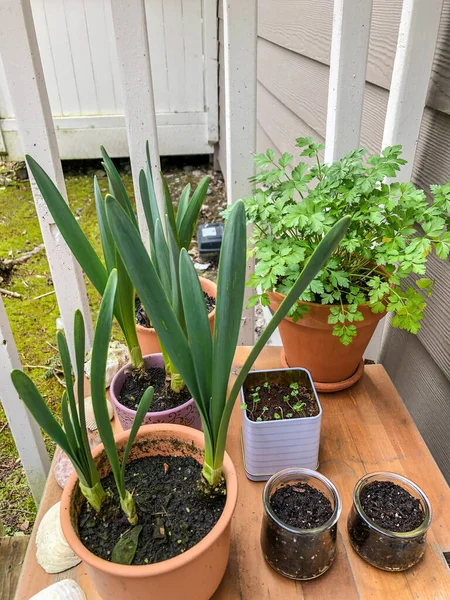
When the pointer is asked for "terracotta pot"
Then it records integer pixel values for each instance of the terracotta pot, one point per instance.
(148, 340)
(185, 414)
(193, 575)
(310, 343)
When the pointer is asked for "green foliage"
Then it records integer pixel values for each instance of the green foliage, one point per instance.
(73, 439)
(203, 361)
(393, 229)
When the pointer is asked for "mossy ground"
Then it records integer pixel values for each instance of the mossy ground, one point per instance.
(33, 321)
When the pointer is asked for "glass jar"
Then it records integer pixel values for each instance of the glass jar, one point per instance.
(299, 553)
(384, 549)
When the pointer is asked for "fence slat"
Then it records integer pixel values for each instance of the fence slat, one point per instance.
(23, 68)
(210, 50)
(348, 62)
(240, 21)
(417, 38)
(130, 28)
(26, 433)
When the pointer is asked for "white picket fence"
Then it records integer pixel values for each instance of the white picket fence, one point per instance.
(77, 46)
(29, 98)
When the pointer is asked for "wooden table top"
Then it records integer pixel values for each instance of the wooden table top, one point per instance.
(364, 429)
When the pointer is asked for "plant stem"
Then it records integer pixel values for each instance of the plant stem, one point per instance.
(94, 495)
(129, 508)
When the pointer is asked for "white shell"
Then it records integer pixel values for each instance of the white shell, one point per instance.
(117, 358)
(68, 589)
(89, 411)
(53, 553)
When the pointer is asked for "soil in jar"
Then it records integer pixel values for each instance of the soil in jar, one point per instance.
(270, 401)
(137, 381)
(301, 505)
(173, 515)
(143, 319)
(391, 507)
(299, 555)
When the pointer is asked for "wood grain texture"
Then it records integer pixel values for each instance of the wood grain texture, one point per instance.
(12, 553)
(365, 429)
(425, 390)
(304, 26)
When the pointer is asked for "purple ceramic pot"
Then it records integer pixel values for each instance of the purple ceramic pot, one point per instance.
(185, 414)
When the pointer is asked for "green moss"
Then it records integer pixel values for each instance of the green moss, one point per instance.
(33, 322)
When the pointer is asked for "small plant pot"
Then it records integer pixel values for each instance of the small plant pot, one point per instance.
(185, 414)
(270, 446)
(299, 553)
(193, 575)
(148, 340)
(384, 549)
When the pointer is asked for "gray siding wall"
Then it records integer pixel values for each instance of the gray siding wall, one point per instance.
(293, 66)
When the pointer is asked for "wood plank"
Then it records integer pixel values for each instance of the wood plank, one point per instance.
(211, 66)
(130, 28)
(365, 429)
(26, 432)
(281, 125)
(194, 60)
(240, 39)
(349, 47)
(173, 27)
(12, 554)
(158, 56)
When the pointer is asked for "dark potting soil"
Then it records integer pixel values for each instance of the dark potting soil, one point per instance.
(301, 505)
(390, 506)
(137, 381)
(143, 319)
(173, 515)
(279, 399)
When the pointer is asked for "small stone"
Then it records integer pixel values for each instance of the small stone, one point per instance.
(100, 174)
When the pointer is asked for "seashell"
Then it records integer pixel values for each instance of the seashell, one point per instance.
(62, 466)
(53, 553)
(89, 411)
(67, 589)
(117, 358)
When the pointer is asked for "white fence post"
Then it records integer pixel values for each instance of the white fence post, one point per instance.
(240, 21)
(130, 28)
(23, 68)
(210, 67)
(416, 44)
(26, 433)
(348, 63)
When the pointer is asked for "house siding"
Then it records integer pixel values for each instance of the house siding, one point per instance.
(294, 40)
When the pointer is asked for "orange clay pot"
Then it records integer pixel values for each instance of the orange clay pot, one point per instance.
(148, 340)
(193, 575)
(310, 343)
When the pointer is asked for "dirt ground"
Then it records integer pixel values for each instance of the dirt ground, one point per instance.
(33, 315)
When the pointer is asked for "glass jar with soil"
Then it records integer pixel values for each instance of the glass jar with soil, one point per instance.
(298, 534)
(388, 522)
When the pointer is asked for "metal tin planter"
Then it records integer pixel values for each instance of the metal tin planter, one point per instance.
(270, 446)
(384, 549)
(299, 553)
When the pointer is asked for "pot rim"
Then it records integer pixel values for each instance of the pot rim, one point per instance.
(211, 315)
(187, 435)
(401, 480)
(315, 475)
(280, 421)
(150, 414)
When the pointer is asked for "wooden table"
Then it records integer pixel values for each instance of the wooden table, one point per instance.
(366, 428)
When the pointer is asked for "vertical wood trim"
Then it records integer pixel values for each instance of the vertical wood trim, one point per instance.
(23, 68)
(210, 67)
(240, 21)
(348, 63)
(26, 433)
(417, 38)
(130, 28)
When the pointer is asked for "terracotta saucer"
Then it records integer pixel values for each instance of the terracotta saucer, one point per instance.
(336, 386)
